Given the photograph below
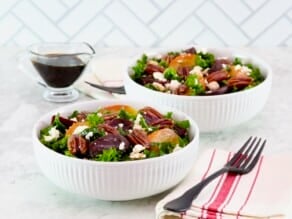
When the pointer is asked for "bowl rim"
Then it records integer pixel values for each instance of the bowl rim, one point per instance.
(233, 52)
(45, 118)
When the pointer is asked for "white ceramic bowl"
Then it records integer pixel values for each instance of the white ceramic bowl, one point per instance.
(115, 180)
(212, 113)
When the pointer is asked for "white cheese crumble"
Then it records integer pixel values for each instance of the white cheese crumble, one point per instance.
(159, 76)
(120, 125)
(158, 86)
(213, 85)
(196, 70)
(177, 148)
(202, 50)
(54, 133)
(137, 152)
(74, 119)
(122, 146)
(173, 85)
(89, 135)
(80, 129)
(243, 69)
(137, 122)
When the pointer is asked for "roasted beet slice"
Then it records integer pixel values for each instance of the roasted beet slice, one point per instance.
(66, 122)
(108, 141)
(218, 65)
(120, 123)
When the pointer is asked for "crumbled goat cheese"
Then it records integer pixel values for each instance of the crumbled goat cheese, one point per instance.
(159, 76)
(99, 114)
(213, 85)
(120, 125)
(137, 122)
(80, 129)
(158, 86)
(137, 152)
(138, 148)
(196, 70)
(54, 133)
(177, 148)
(89, 135)
(202, 50)
(237, 67)
(173, 85)
(74, 119)
(122, 146)
(243, 69)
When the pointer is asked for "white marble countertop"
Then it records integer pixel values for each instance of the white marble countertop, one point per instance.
(26, 193)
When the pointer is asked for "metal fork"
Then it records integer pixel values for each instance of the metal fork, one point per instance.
(242, 162)
(117, 90)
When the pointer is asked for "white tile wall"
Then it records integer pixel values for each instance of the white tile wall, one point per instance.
(147, 22)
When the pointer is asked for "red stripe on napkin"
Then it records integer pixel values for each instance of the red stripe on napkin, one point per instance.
(230, 197)
(214, 192)
(210, 164)
(251, 188)
(222, 194)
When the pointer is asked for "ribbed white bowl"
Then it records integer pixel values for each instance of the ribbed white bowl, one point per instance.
(212, 113)
(115, 180)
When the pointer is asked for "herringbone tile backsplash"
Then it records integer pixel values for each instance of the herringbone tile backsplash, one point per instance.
(147, 22)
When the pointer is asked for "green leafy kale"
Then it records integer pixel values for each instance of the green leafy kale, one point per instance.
(94, 119)
(111, 154)
(183, 124)
(58, 124)
(192, 82)
(123, 114)
(237, 61)
(159, 149)
(74, 114)
(255, 74)
(96, 133)
(170, 74)
(59, 144)
(139, 67)
(168, 115)
(205, 60)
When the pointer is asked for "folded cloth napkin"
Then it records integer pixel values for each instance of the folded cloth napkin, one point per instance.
(106, 71)
(266, 192)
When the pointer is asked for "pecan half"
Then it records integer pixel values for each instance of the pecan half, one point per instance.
(162, 123)
(150, 114)
(182, 89)
(138, 136)
(109, 129)
(217, 76)
(77, 145)
(150, 68)
(239, 82)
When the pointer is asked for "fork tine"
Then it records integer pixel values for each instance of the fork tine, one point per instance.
(250, 156)
(244, 156)
(239, 152)
(257, 157)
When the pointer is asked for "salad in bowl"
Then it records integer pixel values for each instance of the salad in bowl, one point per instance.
(191, 72)
(115, 150)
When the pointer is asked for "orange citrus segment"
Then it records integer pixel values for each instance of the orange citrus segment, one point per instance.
(183, 60)
(164, 135)
(72, 128)
(115, 109)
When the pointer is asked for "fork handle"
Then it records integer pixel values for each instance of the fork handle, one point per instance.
(184, 202)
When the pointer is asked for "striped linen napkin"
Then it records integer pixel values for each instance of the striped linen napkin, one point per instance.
(266, 192)
(106, 71)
